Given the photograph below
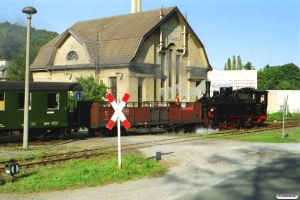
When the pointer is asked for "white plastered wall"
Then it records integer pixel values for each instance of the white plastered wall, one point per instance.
(70, 44)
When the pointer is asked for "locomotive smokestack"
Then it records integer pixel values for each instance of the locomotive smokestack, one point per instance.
(207, 85)
(136, 6)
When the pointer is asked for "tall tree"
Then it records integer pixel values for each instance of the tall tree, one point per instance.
(285, 77)
(16, 68)
(228, 64)
(290, 71)
(13, 47)
(225, 67)
(240, 64)
(233, 66)
(249, 66)
(267, 66)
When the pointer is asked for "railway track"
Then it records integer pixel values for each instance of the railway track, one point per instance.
(270, 125)
(17, 140)
(63, 157)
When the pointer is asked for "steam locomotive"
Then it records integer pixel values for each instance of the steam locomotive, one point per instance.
(229, 108)
(49, 113)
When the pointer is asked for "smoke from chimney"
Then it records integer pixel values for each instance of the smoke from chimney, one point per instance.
(136, 6)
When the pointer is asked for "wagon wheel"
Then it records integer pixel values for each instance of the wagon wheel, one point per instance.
(31, 137)
(124, 131)
(42, 137)
(107, 133)
(95, 132)
(64, 134)
(179, 129)
(170, 130)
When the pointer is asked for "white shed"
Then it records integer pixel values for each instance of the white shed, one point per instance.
(277, 97)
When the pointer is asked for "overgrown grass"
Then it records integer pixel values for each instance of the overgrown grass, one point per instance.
(273, 136)
(37, 152)
(279, 115)
(82, 173)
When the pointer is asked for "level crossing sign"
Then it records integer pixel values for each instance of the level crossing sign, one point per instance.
(118, 115)
(118, 111)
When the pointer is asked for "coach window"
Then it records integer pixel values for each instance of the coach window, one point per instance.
(21, 101)
(53, 101)
(1, 101)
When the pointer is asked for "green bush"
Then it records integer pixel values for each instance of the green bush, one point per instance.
(279, 115)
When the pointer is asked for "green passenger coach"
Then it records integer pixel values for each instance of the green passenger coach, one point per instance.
(48, 107)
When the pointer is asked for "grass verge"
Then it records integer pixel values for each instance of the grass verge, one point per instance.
(272, 136)
(81, 173)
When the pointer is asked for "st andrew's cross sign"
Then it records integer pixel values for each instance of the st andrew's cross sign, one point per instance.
(118, 111)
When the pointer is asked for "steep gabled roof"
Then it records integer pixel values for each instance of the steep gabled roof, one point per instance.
(118, 37)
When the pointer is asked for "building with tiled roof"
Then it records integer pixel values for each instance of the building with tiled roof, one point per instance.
(151, 55)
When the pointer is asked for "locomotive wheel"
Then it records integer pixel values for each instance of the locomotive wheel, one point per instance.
(211, 124)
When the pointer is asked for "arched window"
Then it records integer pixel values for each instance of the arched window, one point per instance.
(72, 55)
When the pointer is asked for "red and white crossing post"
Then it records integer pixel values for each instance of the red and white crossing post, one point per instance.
(118, 115)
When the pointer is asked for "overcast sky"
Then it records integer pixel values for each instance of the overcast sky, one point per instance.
(260, 31)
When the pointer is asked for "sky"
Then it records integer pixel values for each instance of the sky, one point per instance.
(259, 31)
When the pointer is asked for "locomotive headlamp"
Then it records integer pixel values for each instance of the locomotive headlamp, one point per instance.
(212, 109)
(12, 168)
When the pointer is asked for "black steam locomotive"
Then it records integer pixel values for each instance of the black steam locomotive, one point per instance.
(229, 108)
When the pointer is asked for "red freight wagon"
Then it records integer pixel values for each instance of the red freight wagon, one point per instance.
(149, 117)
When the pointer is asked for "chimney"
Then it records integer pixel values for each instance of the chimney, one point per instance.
(136, 6)
(207, 93)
